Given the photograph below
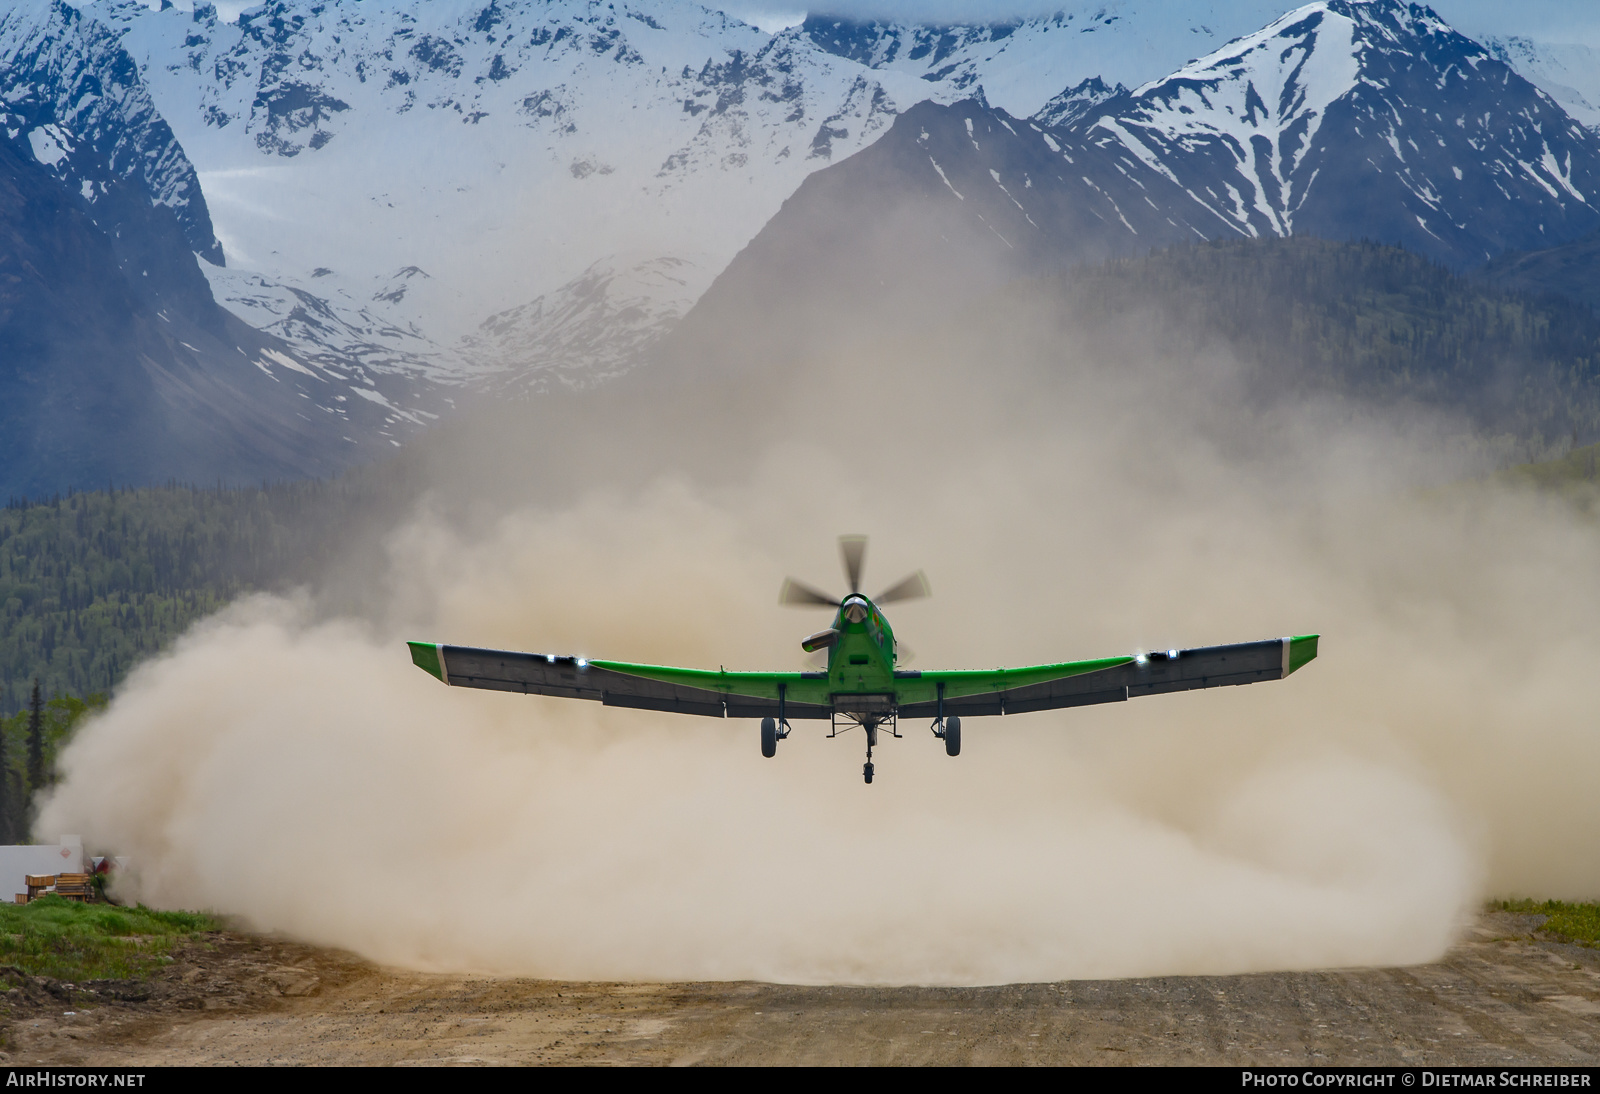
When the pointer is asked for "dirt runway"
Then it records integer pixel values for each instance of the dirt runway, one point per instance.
(1503, 996)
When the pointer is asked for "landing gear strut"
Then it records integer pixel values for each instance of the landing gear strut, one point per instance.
(870, 723)
(947, 729)
(776, 729)
(952, 735)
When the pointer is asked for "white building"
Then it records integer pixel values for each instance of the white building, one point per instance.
(17, 862)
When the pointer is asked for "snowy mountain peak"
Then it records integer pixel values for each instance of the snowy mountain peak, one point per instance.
(1568, 72)
(592, 328)
(500, 146)
(1077, 102)
(1361, 96)
(89, 117)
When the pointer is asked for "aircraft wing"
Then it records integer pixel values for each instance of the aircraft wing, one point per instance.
(969, 693)
(620, 684)
(1110, 680)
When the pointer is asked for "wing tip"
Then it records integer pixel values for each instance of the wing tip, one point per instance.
(1302, 651)
(428, 657)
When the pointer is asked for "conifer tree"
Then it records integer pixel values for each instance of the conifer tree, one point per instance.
(35, 740)
(7, 807)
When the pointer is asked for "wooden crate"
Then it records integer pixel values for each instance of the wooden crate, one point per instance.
(75, 886)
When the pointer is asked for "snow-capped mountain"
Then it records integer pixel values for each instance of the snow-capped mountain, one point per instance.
(385, 177)
(1567, 71)
(502, 147)
(1076, 103)
(88, 116)
(499, 147)
(412, 201)
(1370, 117)
(1346, 119)
(116, 365)
(593, 328)
(72, 100)
(1021, 64)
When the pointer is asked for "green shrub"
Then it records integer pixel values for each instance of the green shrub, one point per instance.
(1578, 923)
(70, 941)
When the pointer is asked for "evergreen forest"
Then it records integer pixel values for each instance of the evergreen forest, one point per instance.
(1371, 322)
(92, 583)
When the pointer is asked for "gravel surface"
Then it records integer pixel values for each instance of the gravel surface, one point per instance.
(1505, 995)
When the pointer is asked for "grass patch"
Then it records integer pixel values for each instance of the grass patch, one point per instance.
(1578, 923)
(71, 941)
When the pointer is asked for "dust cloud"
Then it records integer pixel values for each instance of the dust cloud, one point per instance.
(1068, 497)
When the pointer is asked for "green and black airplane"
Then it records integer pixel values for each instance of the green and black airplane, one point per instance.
(862, 685)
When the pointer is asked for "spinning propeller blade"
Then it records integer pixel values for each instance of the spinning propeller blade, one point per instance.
(909, 588)
(853, 550)
(799, 594)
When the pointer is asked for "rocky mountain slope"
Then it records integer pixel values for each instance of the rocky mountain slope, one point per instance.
(116, 364)
(114, 377)
(1369, 118)
(89, 117)
(343, 145)
(1568, 72)
(1345, 120)
(413, 203)
(417, 169)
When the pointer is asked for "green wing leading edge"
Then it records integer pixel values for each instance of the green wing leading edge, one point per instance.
(861, 686)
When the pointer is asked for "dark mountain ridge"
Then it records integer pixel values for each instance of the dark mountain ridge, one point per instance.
(1571, 270)
(117, 366)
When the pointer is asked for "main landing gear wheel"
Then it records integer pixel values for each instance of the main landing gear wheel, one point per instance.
(769, 738)
(866, 771)
(952, 736)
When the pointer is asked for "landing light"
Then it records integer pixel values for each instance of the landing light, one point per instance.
(1142, 658)
(1173, 654)
(550, 657)
(583, 662)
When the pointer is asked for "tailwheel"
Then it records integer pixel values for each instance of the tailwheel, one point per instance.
(866, 771)
(769, 737)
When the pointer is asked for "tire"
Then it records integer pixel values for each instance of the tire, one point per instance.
(952, 735)
(769, 737)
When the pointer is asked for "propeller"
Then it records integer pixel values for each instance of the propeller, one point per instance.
(907, 588)
(852, 553)
(801, 595)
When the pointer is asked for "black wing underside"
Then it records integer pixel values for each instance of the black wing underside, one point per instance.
(915, 694)
(574, 678)
(1148, 674)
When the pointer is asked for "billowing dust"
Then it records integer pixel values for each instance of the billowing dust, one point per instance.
(287, 764)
